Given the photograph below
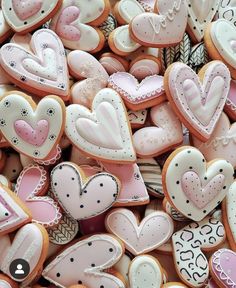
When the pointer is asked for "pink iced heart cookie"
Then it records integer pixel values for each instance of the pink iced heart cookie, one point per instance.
(30, 244)
(230, 105)
(165, 135)
(104, 132)
(193, 186)
(188, 246)
(133, 190)
(31, 129)
(165, 29)
(137, 95)
(198, 100)
(95, 254)
(153, 231)
(76, 20)
(83, 65)
(222, 143)
(84, 199)
(222, 265)
(13, 212)
(31, 185)
(43, 70)
(26, 15)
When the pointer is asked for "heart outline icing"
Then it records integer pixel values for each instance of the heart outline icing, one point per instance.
(105, 185)
(200, 113)
(102, 250)
(109, 120)
(187, 164)
(43, 70)
(16, 106)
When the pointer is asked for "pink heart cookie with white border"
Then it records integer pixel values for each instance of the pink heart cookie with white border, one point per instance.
(26, 15)
(222, 267)
(165, 134)
(30, 244)
(198, 100)
(31, 185)
(147, 93)
(84, 199)
(165, 29)
(42, 71)
(193, 186)
(139, 238)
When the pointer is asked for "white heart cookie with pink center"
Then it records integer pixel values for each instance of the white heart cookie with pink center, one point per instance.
(83, 200)
(74, 24)
(193, 186)
(200, 14)
(153, 231)
(147, 93)
(95, 254)
(33, 130)
(165, 135)
(43, 70)
(30, 244)
(83, 65)
(222, 267)
(166, 29)
(222, 143)
(103, 133)
(198, 100)
(26, 15)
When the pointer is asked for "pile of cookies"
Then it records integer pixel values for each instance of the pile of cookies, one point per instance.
(117, 143)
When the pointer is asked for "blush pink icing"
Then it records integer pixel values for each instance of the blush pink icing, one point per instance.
(30, 135)
(133, 189)
(135, 93)
(77, 201)
(31, 183)
(26, 8)
(199, 105)
(64, 27)
(230, 106)
(199, 195)
(139, 238)
(223, 266)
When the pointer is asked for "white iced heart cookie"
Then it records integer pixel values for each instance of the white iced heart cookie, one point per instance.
(193, 186)
(145, 271)
(103, 133)
(33, 130)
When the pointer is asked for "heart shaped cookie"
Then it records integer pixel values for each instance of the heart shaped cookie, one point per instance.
(165, 29)
(76, 20)
(188, 244)
(193, 186)
(103, 133)
(153, 231)
(145, 271)
(30, 244)
(20, 116)
(13, 212)
(165, 135)
(31, 185)
(229, 215)
(84, 199)
(220, 41)
(84, 65)
(147, 93)
(41, 71)
(133, 190)
(95, 254)
(200, 14)
(26, 15)
(198, 100)
(222, 143)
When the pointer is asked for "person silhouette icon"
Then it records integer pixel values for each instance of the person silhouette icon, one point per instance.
(19, 269)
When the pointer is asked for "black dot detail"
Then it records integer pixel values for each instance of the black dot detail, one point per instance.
(221, 170)
(101, 184)
(93, 265)
(55, 184)
(42, 11)
(80, 282)
(190, 167)
(58, 274)
(224, 187)
(98, 201)
(67, 195)
(81, 206)
(6, 214)
(102, 286)
(89, 243)
(25, 23)
(189, 151)
(177, 182)
(204, 211)
(111, 250)
(187, 201)
(71, 259)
